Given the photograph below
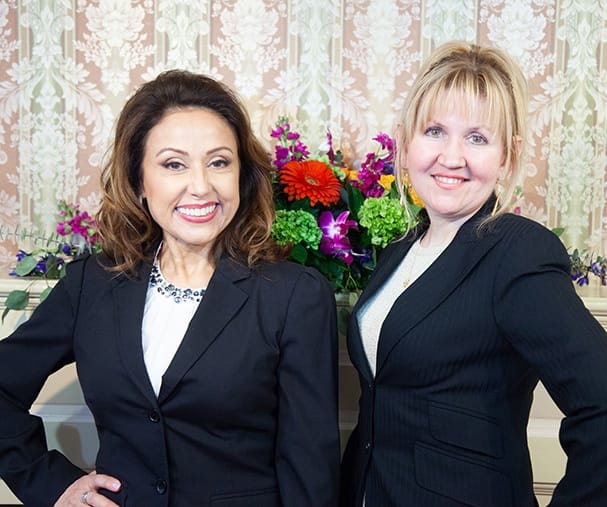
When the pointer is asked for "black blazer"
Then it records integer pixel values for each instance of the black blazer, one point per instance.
(443, 423)
(247, 411)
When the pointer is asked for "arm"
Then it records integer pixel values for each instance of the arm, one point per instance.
(547, 323)
(39, 347)
(307, 446)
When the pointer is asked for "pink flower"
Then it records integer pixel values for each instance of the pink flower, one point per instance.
(386, 142)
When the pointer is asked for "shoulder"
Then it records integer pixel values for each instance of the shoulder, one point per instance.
(287, 275)
(279, 282)
(525, 243)
(518, 230)
(92, 271)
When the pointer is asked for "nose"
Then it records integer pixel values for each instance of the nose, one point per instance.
(452, 155)
(199, 181)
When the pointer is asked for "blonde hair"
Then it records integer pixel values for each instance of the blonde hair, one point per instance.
(460, 72)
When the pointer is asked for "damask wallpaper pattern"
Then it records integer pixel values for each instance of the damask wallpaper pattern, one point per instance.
(67, 66)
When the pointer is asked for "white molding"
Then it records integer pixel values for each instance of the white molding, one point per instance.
(53, 413)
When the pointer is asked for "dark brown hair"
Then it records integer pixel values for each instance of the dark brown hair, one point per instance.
(127, 230)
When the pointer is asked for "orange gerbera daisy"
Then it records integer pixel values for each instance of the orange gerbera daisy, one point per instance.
(312, 179)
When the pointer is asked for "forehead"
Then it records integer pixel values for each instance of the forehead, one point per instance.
(467, 107)
(188, 123)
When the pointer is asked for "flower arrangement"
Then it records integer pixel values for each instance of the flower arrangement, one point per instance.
(76, 233)
(336, 218)
(584, 264)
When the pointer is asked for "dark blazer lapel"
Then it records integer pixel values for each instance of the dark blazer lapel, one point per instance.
(390, 259)
(129, 301)
(434, 285)
(220, 303)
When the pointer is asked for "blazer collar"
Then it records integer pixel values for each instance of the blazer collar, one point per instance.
(129, 304)
(221, 301)
(427, 292)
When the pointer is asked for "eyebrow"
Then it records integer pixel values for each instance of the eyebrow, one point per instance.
(182, 152)
(469, 129)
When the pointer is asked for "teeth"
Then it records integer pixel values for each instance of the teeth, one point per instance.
(448, 181)
(197, 212)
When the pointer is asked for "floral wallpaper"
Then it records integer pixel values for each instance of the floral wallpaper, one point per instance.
(67, 67)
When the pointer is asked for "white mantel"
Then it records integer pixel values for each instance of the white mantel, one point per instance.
(70, 426)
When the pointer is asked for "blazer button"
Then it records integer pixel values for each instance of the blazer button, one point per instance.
(161, 486)
(367, 446)
(154, 416)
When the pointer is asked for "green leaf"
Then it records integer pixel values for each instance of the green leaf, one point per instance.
(558, 230)
(52, 268)
(44, 294)
(299, 254)
(355, 201)
(16, 300)
(26, 265)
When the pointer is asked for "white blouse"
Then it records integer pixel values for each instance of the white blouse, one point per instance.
(372, 314)
(167, 315)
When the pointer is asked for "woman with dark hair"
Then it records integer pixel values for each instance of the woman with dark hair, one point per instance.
(207, 360)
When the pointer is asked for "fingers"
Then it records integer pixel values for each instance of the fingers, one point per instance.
(104, 481)
(95, 499)
(84, 491)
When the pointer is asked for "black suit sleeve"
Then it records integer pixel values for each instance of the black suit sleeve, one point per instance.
(307, 447)
(541, 314)
(39, 347)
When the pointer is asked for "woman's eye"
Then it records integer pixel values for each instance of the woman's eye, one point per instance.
(433, 131)
(219, 163)
(477, 139)
(173, 165)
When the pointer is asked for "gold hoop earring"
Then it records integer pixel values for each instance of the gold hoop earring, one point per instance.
(406, 179)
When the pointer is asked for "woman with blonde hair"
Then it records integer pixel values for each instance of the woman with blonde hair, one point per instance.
(465, 314)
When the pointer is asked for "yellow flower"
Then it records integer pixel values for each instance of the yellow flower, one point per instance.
(415, 199)
(385, 180)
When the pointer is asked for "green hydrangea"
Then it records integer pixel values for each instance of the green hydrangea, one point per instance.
(296, 226)
(384, 218)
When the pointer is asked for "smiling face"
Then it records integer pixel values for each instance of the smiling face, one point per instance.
(454, 160)
(190, 177)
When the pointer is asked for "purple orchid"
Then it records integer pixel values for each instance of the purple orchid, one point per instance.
(335, 239)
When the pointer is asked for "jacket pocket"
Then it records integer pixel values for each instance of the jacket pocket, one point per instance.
(268, 497)
(465, 428)
(461, 479)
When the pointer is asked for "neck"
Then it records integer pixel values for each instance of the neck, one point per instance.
(185, 268)
(439, 234)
